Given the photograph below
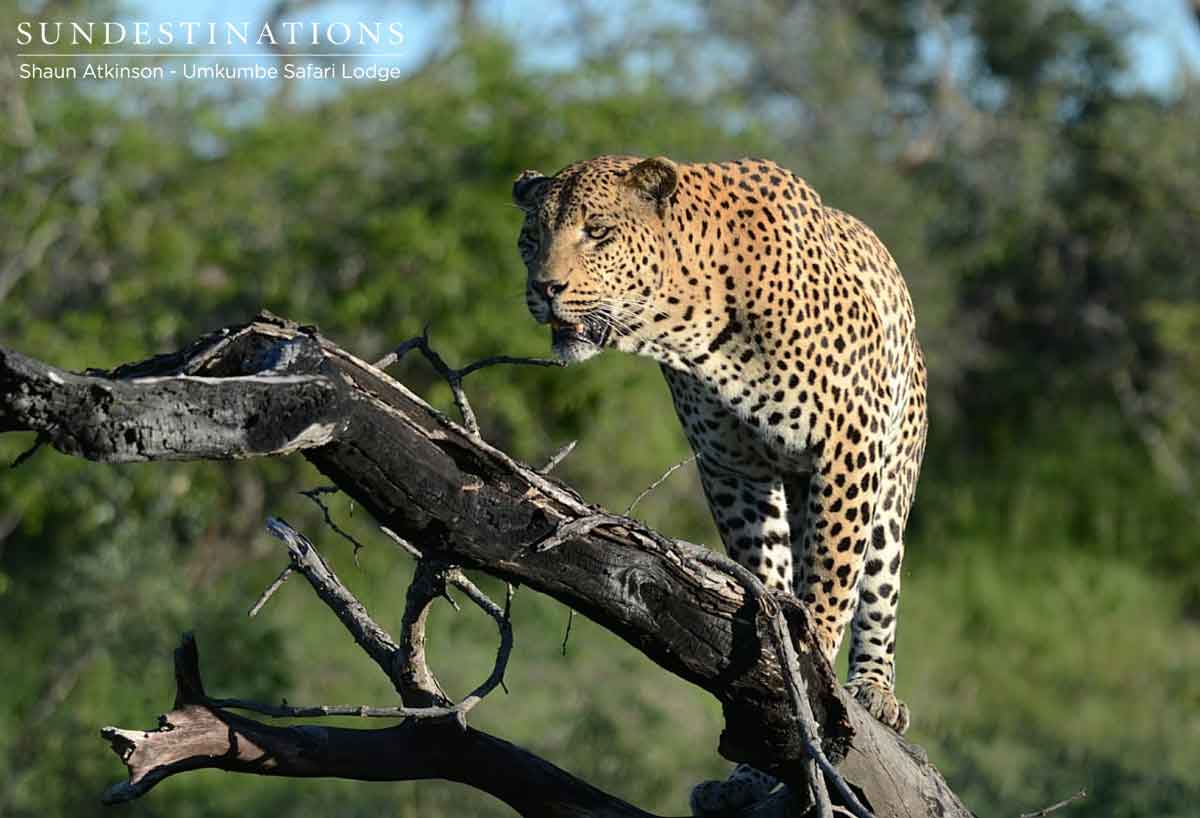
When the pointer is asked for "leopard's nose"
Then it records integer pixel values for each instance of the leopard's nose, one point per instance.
(548, 289)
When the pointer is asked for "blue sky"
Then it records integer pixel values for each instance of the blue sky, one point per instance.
(1169, 37)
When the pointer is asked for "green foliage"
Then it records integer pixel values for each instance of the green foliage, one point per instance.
(1044, 212)
(1021, 704)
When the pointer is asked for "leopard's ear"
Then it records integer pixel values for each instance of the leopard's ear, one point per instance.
(654, 179)
(526, 188)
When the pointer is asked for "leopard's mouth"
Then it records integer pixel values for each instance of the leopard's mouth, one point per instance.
(592, 330)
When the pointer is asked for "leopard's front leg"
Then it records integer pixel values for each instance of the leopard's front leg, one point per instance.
(745, 494)
(750, 511)
(832, 552)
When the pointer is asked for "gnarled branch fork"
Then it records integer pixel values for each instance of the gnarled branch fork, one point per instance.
(272, 387)
(196, 734)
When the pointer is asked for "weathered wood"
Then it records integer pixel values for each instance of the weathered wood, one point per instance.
(194, 735)
(183, 416)
(464, 502)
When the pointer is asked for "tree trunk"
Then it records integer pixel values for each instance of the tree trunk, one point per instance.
(272, 387)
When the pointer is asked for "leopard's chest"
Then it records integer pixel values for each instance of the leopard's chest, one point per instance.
(742, 425)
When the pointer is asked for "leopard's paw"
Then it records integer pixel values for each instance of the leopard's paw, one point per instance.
(744, 786)
(880, 702)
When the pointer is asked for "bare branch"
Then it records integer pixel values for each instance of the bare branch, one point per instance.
(404, 544)
(1066, 802)
(496, 360)
(387, 654)
(315, 495)
(662, 479)
(418, 685)
(559, 456)
(454, 377)
(503, 623)
(416, 342)
(567, 632)
(122, 421)
(270, 590)
(366, 711)
(378, 644)
(197, 734)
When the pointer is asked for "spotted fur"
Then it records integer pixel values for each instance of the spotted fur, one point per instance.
(786, 335)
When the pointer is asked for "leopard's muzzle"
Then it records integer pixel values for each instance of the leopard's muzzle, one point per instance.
(577, 341)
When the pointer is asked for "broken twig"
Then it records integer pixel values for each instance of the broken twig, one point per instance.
(315, 495)
(662, 479)
(559, 456)
(271, 589)
(454, 377)
(1066, 802)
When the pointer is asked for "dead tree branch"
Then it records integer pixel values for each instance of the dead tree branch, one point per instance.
(374, 640)
(419, 687)
(273, 387)
(454, 377)
(661, 479)
(266, 595)
(314, 495)
(1066, 802)
(198, 734)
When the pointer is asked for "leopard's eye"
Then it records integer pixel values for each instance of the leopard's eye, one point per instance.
(528, 243)
(595, 232)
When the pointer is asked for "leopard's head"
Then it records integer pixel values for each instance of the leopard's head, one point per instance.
(596, 249)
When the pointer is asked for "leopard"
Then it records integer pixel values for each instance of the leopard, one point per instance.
(787, 338)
